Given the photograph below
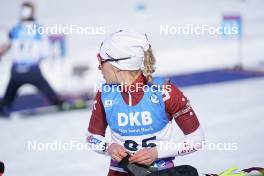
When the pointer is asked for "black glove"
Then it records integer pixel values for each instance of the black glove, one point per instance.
(134, 169)
(184, 170)
(2, 168)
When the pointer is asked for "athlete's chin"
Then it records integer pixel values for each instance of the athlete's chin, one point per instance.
(107, 81)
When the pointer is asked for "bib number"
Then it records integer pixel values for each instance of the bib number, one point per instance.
(133, 145)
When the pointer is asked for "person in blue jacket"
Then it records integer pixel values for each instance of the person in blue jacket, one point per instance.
(28, 49)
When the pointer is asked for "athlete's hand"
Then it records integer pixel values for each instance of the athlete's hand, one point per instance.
(117, 152)
(144, 156)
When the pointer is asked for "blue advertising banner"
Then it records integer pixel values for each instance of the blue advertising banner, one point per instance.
(232, 26)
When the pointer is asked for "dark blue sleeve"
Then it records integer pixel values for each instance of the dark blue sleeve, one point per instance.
(10, 34)
(13, 31)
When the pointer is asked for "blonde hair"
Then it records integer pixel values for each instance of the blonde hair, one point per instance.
(149, 65)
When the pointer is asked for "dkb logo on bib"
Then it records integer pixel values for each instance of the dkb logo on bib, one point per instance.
(134, 119)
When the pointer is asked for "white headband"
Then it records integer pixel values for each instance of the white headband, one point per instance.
(125, 44)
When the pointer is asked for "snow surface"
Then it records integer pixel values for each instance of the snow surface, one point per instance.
(228, 112)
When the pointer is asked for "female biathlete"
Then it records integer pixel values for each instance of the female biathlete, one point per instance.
(139, 110)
